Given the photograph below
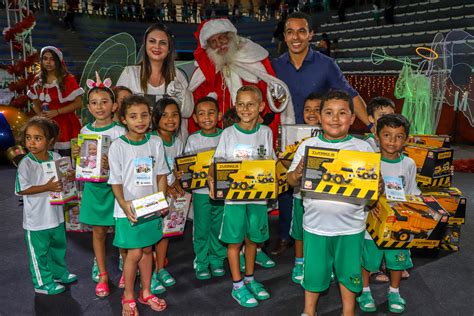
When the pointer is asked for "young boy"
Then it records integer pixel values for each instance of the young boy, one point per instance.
(333, 231)
(245, 220)
(392, 132)
(378, 107)
(208, 249)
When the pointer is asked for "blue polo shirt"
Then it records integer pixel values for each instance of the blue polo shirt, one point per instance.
(318, 73)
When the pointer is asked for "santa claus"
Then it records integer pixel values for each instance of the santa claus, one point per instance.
(225, 62)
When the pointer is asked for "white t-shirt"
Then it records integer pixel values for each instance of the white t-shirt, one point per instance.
(332, 218)
(372, 142)
(113, 130)
(172, 150)
(198, 141)
(237, 143)
(38, 213)
(122, 153)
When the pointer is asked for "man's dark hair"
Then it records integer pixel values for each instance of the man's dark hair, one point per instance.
(378, 103)
(337, 95)
(301, 15)
(394, 121)
(313, 96)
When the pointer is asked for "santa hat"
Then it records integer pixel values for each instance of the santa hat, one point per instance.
(54, 49)
(212, 27)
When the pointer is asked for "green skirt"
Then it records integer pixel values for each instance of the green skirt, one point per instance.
(138, 236)
(97, 204)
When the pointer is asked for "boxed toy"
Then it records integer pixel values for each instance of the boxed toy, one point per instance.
(434, 165)
(437, 141)
(175, 220)
(282, 176)
(417, 223)
(245, 179)
(71, 219)
(340, 175)
(89, 163)
(451, 238)
(59, 169)
(452, 200)
(290, 136)
(149, 207)
(195, 167)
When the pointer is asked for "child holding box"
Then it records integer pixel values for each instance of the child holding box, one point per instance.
(376, 108)
(333, 231)
(392, 133)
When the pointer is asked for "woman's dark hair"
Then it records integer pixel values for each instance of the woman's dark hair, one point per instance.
(49, 127)
(132, 100)
(60, 70)
(159, 110)
(168, 70)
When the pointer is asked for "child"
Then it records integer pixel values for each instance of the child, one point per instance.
(392, 133)
(333, 231)
(125, 153)
(245, 220)
(166, 122)
(97, 204)
(208, 248)
(376, 108)
(43, 222)
(120, 92)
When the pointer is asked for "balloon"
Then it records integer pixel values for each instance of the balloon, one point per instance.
(15, 118)
(6, 135)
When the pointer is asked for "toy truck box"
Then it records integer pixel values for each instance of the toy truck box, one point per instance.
(340, 175)
(452, 200)
(451, 238)
(290, 136)
(438, 141)
(149, 207)
(434, 165)
(195, 167)
(246, 180)
(89, 163)
(175, 221)
(417, 223)
(282, 176)
(59, 169)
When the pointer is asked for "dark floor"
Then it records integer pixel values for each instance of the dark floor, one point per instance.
(442, 285)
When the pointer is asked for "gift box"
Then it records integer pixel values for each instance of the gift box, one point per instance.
(340, 175)
(149, 207)
(290, 136)
(438, 141)
(59, 169)
(245, 179)
(89, 165)
(434, 165)
(175, 221)
(282, 176)
(452, 200)
(195, 168)
(451, 238)
(417, 223)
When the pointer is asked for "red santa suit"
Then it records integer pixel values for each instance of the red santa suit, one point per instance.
(250, 66)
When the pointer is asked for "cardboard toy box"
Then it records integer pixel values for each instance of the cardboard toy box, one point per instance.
(452, 200)
(417, 223)
(89, 163)
(149, 207)
(340, 175)
(290, 136)
(245, 179)
(451, 238)
(282, 176)
(175, 221)
(437, 141)
(434, 165)
(71, 219)
(195, 167)
(59, 169)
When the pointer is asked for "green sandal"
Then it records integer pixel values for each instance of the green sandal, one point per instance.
(297, 273)
(203, 273)
(217, 271)
(95, 272)
(244, 297)
(263, 260)
(258, 290)
(165, 278)
(156, 287)
(366, 302)
(396, 304)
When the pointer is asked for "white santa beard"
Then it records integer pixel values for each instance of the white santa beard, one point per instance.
(228, 58)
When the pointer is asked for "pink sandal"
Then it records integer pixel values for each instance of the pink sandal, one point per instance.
(102, 289)
(131, 304)
(155, 303)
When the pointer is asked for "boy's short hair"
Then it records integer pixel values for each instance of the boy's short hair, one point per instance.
(251, 88)
(377, 103)
(301, 15)
(337, 95)
(313, 96)
(206, 99)
(393, 120)
(133, 100)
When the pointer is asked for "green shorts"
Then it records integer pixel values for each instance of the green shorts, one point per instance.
(296, 228)
(244, 220)
(325, 253)
(138, 236)
(395, 259)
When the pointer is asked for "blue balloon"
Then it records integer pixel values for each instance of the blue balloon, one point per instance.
(6, 136)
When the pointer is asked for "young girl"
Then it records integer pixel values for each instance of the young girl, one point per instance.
(43, 222)
(97, 199)
(57, 95)
(135, 148)
(166, 122)
(121, 92)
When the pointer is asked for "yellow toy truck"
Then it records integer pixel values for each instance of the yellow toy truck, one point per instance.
(411, 222)
(338, 172)
(265, 177)
(242, 181)
(203, 170)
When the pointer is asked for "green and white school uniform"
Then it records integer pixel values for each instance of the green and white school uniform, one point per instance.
(207, 212)
(124, 158)
(43, 223)
(372, 142)
(97, 204)
(172, 150)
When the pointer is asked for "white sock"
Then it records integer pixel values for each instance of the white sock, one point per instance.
(237, 285)
(366, 289)
(393, 290)
(248, 278)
